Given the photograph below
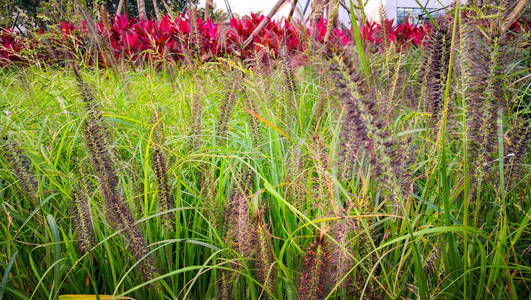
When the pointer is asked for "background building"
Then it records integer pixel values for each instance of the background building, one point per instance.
(401, 10)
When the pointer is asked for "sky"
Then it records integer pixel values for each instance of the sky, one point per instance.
(245, 7)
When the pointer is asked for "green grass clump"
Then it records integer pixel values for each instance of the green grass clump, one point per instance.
(221, 182)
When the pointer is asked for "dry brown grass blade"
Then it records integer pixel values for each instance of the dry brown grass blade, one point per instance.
(141, 5)
(156, 9)
(513, 16)
(168, 10)
(120, 6)
(292, 9)
(263, 23)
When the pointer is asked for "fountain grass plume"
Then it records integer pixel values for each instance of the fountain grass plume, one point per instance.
(517, 150)
(83, 220)
(160, 166)
(354, 132)
(340, 260)
(240, 234)
(436, 66)
(484, 97)
(22, 169)
(364, 130)
(265, 264)
(256, 136)
(227, 107)
(287, 70)
(295, 174)
(116, 210)
(326, 183)
(314, 278)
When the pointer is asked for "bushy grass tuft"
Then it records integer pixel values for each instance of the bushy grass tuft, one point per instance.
(227, 182)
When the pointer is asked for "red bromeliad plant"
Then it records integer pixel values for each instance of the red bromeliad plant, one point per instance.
(10, 47)
(338, 37)
(407, 34)
(403, 35)
(270, 37)
(173, 39)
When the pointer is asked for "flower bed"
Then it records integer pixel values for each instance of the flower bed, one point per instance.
(175, 39)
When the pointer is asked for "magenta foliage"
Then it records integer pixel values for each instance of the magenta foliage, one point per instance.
(338, 37)
(10, 47)
(172, 39)
(404, 34)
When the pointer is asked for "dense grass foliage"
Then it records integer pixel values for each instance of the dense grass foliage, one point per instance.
(220, 181)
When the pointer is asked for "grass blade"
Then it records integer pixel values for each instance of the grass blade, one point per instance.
(5, 278)
(359, 44)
